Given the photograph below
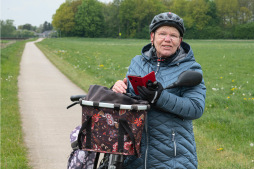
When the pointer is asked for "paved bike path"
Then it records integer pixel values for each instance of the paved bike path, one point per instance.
(44, 94)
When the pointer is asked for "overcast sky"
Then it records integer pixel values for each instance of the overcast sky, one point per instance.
(34, 12)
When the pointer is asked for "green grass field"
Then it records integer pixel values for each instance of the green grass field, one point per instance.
(225, 133)
(91, 61)
(4, 41)
(13, 150)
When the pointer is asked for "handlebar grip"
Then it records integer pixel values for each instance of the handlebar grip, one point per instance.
(76, 97)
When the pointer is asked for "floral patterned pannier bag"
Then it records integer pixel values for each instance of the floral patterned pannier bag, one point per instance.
(111, 122)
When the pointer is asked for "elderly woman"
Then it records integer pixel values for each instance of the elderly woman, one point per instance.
(168, 139)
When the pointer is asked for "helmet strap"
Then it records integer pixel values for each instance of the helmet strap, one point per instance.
(153, 46)
(154, 50)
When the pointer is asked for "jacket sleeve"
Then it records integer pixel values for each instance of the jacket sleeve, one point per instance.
(189, 105)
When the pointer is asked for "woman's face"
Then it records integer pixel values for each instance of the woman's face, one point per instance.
(166, 40)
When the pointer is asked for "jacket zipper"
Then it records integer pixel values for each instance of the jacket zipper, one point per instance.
(146, 125)
(174, 142)
(158, 65)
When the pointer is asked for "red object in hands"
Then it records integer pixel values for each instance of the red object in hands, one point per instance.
(141, 81)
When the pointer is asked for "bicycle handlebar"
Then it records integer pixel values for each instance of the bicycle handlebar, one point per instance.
(76, 97)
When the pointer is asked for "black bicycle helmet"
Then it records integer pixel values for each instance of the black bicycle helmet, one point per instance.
(169, 19)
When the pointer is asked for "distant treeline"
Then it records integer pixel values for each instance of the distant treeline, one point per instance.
(204, 19)
(8, 30)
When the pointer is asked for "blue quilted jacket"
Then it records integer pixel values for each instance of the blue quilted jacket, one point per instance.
(168, 139)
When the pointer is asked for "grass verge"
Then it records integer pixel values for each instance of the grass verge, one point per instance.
(13, 150)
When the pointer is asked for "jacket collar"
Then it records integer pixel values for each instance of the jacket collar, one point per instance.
(184, 53)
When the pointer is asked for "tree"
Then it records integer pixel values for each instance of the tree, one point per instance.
(244, 15)
(89, 19)
(197, 10)
(28, 27)
(145, 15)
(246, 11)
(24, 33)
(212, 12)
(64, 18)
(245, 31)
(112, 19)
(46, 26)
(128, 23)
(136, 16)
(7, 28)
(180, 7)
(227, 10)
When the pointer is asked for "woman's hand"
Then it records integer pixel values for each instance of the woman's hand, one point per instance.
(120, 86)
